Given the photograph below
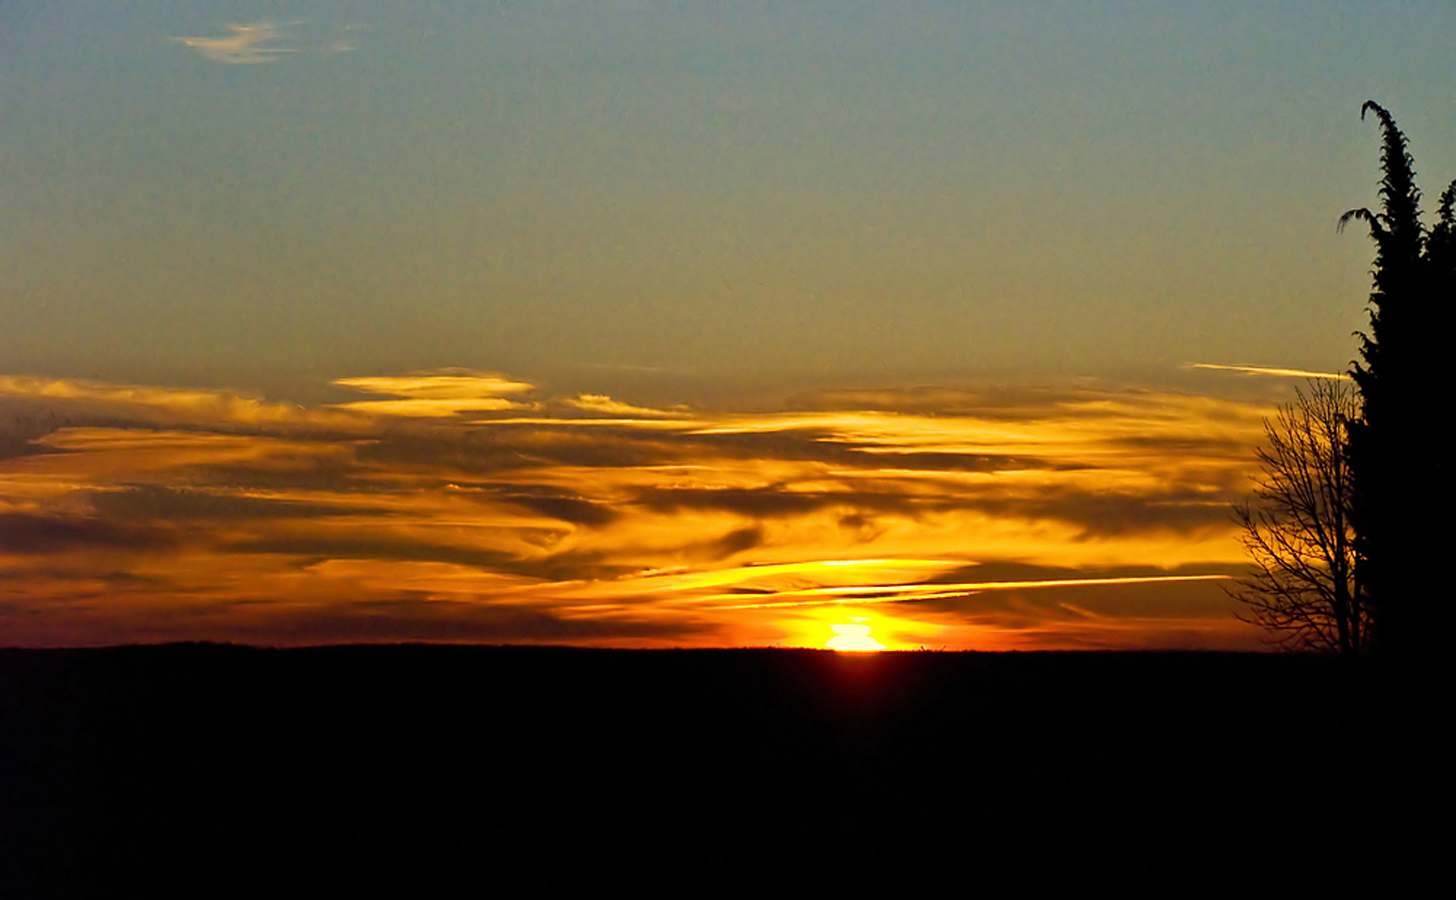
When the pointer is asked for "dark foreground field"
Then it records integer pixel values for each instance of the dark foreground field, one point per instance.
(208, 766)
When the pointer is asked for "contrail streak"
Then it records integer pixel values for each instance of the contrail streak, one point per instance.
(1267, 370)
(909, 593)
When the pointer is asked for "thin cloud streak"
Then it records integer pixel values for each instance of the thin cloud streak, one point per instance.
(908, 593)
(1268, 370)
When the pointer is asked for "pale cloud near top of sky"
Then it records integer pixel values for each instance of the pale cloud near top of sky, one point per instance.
(258, 42)
(242, 46)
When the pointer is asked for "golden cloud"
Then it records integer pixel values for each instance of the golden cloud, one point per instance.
(139, 513)
(91, 400)
(444, 393)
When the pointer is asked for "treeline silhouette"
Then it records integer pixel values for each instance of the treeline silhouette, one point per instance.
(1403, 504)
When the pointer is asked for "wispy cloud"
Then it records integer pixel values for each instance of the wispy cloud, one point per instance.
(266, 42)
(248, 44)
(153, 405)
(1268, 370)
(439, 511)
(604, 405)
(433, 394)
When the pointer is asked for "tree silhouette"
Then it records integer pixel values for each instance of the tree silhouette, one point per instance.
(1398, 456)
(1298, 529)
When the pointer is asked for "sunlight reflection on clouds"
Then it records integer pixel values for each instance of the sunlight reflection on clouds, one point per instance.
(139, 513)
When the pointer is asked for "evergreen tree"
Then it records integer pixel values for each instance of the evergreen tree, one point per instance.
(1398, 458)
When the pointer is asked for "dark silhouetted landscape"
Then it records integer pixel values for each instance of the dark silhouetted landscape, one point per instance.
(147, 767)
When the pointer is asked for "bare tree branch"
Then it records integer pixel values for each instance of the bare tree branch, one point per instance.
(1297, 531)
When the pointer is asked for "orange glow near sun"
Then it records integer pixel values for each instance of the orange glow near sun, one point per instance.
(853, 636)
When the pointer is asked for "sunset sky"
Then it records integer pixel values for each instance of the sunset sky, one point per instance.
(650, 323)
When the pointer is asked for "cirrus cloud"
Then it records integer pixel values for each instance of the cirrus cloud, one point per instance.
(264, 42)
(246, 45)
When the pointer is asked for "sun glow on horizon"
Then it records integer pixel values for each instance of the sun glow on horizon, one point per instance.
(853, 636)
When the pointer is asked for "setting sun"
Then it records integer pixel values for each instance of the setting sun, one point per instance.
(853, 636)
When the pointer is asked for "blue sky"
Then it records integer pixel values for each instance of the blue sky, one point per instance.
(785, 190)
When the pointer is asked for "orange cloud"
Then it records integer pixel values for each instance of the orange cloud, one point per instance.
(1027, 517)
